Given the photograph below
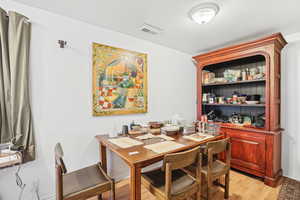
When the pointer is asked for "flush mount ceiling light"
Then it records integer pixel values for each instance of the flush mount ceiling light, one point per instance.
(204, 13)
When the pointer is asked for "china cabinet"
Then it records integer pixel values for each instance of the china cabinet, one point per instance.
(238, 87)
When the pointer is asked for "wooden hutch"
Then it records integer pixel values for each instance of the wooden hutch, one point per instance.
(256, 147)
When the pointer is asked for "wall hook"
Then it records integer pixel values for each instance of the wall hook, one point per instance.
(62, 43)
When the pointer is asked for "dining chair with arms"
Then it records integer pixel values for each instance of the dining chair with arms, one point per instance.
(80, 184)
(170, 182)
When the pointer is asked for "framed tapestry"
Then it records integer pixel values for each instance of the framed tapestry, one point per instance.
(119, 81)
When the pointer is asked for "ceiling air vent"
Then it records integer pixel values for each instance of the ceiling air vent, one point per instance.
(147, 28)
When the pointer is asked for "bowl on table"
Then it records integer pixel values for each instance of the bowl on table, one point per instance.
(155, 124)
(170, 130)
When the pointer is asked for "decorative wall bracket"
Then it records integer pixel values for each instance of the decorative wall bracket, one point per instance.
(62, 43)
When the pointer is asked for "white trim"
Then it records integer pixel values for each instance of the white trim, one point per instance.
(294, 37)
(48, 197)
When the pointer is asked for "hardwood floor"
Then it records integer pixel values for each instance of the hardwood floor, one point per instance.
(242, 187)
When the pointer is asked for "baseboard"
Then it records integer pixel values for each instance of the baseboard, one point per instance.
(48, 197)
(273, 181)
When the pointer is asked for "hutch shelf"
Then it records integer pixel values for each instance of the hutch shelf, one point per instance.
(227, 80)
(235, 105)
(233, 83)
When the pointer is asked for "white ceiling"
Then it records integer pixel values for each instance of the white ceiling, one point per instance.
(237, 20)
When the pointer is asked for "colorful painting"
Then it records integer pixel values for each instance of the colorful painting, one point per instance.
(119, 81)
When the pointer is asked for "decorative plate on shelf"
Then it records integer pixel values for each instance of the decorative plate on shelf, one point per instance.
(252, 102)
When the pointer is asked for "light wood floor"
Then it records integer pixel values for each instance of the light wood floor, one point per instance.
(241, 187)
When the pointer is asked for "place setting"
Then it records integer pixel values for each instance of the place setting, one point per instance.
(152, 135)
(162, 137)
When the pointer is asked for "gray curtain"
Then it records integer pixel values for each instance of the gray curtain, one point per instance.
(16, 119)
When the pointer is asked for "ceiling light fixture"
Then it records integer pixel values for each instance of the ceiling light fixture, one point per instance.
(204, 13)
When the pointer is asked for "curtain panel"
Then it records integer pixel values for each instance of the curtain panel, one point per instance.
(15, 111)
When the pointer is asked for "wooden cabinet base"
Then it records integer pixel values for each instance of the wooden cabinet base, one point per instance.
(256, 153)
(273, 182)
(270, 181)
(248, 171)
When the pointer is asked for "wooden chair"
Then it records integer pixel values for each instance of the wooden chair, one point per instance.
(81, 184)
(170, 182)
(215, 168)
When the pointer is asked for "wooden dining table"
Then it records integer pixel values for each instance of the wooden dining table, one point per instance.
(143, 158)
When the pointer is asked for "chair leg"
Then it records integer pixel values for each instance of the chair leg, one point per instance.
(226, 193)
(208, 191)
(208, 195)
(198, 195)
(113, 190)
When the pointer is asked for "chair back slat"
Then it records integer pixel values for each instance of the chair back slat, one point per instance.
(181, 159)
(219, 146)
(59, 162)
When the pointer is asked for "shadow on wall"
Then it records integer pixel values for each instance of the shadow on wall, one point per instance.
(290, 110)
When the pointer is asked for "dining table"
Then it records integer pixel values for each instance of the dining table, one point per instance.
(138, 157)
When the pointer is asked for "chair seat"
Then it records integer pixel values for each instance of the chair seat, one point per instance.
(84, 179)
(218, 168)
(180, 180)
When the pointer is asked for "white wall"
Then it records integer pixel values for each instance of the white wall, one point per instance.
(290, 117)
(62, 98)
